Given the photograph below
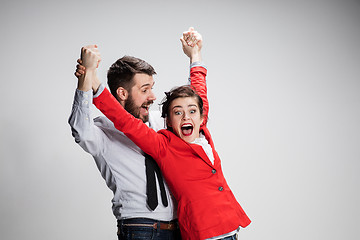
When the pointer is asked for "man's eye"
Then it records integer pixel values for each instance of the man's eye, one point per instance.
(145, 90)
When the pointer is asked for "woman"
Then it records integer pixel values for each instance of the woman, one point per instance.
(206, 205)
(187, 158)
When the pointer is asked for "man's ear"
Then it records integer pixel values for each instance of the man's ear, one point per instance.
(122, 93)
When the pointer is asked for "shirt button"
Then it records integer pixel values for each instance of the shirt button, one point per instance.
(213, 171)
(221, 188)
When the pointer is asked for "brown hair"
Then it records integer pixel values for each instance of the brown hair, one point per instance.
(121, 73)
(179, 92)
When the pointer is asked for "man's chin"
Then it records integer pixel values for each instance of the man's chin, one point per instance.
(144, 118)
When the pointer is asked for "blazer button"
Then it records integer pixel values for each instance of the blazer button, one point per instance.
(213, 171)
(221, 188)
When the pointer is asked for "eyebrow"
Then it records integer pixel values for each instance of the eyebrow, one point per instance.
(147, 84)
(191, 105)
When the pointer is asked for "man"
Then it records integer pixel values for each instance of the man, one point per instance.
(142, 203)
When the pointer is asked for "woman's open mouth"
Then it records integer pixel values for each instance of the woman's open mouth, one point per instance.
(187, 129)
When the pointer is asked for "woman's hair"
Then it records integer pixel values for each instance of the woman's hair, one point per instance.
(121, 72)
(179, 92)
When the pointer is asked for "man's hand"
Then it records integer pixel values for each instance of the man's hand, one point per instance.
(192, 44)
(80, 69)
(86, 69)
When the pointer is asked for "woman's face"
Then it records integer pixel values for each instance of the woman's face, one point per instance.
(184, 118)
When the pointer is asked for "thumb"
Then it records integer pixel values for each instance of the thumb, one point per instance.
(182, 41)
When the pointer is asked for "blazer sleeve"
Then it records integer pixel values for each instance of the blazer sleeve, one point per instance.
(144, 137)
(198, 81)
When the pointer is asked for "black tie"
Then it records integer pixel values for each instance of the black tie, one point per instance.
(151, 192)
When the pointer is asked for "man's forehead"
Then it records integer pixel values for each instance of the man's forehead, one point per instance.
(143, 80)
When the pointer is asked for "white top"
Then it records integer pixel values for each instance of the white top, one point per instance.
(206, 146)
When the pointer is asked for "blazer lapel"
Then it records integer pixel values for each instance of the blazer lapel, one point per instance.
(201, 153)
(207, 135)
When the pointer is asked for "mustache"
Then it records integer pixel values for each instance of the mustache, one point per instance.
(148, 103)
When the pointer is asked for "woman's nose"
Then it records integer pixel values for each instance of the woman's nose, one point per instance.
(186, 116)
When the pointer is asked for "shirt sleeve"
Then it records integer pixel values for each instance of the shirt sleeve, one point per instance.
(85, 132)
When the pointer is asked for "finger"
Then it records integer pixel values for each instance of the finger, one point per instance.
(191, 40)
(80, 70)
(88, 48)
(80, 67)
(191, 29)
(183, 42)
(186, 36)
(91, 46)
(197, 38)
(196, 35)
(79, 61)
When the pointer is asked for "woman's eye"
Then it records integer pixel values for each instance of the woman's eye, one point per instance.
(177, 113)
(192, 111)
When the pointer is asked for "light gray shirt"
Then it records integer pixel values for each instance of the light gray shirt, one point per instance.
(120, 161)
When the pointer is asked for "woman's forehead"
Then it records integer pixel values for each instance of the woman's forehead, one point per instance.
(184, 101)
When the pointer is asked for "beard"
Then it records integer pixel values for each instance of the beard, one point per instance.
(135, 110)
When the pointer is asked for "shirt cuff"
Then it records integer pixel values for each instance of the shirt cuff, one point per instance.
(197, 64)
(100, 90)
(83, 99)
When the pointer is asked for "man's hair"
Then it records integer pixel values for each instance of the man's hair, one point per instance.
(121, 73)
(179, 92)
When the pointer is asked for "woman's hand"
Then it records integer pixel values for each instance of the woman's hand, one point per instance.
(192, 44)
(90, 57)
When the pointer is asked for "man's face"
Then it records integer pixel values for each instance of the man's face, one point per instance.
(140, 96)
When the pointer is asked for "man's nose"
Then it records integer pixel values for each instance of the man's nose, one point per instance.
(151, 96)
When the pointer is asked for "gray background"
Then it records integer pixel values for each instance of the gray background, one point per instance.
(283, 85)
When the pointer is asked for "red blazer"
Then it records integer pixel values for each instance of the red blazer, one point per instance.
(206, 205)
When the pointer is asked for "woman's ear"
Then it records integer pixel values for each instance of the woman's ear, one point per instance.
(202, 120)
(168, 123)
(122, 93)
